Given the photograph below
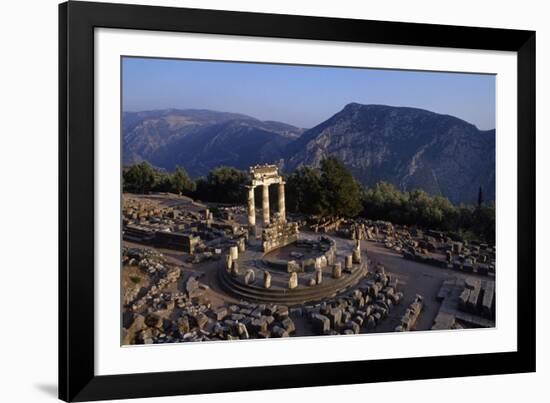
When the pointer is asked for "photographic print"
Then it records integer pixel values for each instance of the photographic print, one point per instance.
(269, 200)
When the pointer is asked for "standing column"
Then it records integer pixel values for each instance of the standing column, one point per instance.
(251, 212)
(282, 211)
(265, 203)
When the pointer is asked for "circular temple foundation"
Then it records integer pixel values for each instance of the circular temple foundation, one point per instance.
(304, 271)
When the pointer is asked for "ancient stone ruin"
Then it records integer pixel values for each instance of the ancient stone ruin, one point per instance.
(275, 233)
(200, 272)
(264, 176)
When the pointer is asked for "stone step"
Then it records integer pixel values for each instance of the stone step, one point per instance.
(287, 296)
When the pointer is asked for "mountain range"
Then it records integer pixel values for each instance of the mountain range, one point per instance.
(409, 147)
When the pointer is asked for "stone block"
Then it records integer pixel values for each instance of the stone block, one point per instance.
(234, 252)
(278, 332)
(258, 325)
(241, 244)
(337, 270)
(228, 262)
(293, 281)
(371, 322)
(335, 317)
(318, 276)
(473, 302)
(348, 263)
(153, 320)
(293, 266)
(267, 279)
(269, 309)
(235, 269)
(200, 320)
(242, 331)
(320, 323)
(249, 276)
(487, 304)
(281, 313)
(353, 326)
(221, 313)
(191, 285)
(288, 325)
(358, 319)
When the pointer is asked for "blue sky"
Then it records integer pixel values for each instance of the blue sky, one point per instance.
(303, 96)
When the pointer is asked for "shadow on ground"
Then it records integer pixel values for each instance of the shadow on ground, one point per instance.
(48, 389)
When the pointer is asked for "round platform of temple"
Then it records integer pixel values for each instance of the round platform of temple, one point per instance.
(286, 266)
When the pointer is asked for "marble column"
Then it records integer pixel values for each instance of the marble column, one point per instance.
(282, 211)
(265, 203)
(251, 212)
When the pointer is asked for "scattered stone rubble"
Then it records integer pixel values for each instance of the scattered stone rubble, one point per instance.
(466, 304)
(411, 315)
(153, 264)
(196, 320)
(360, 309)
(429, 247)
(200, 233)
(478, 297)
(161, 315)
(325, 224)
(157, 315)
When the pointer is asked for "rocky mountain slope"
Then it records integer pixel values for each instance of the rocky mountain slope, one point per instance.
(200, 140)
(411, 148)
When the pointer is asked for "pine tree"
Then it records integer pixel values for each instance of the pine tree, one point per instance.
(480, 197)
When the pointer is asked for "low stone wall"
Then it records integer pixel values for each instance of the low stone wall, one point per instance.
(176, 240)
(279, 234)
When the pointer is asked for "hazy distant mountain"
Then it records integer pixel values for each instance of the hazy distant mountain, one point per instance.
(411, 148)
(200, 140)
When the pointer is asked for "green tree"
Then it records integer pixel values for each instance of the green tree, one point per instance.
(139, 178)
(181, 182)
(341, 193)
(417, 208)
(303, 191)
(223, 185)
(163, 182)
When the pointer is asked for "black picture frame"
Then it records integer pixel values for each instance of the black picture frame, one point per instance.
(77, 21)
